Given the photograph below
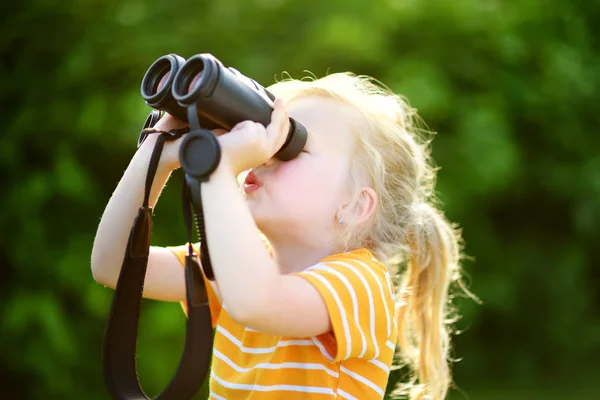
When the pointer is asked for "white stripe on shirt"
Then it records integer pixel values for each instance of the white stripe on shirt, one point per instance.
(342, 310)
(369, 296)
(345, 395)
(285, 365)
(262, 350)
(354, 303)
(322, 349)
(390, 284)
(272, 388)
(362, 379)
(380, 365)
(387, 313)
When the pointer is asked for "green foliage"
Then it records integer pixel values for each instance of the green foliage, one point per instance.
(510, 87)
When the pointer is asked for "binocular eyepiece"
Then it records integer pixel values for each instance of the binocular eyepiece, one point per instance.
(223, 96)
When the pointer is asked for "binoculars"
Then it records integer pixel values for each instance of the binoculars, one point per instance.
(222, 96)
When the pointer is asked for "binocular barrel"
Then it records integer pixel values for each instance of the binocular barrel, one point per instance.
(223, 96)
(157, 88)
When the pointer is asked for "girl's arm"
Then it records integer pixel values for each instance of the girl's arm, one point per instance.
(253, 291)
(164, 277)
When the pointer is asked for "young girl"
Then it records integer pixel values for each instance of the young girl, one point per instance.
(311, 311)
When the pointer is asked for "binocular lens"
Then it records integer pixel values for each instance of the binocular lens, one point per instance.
(163, 81)
(156, 79)
(195, 80)
(157, 87)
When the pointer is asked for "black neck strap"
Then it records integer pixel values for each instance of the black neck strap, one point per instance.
(200, 155)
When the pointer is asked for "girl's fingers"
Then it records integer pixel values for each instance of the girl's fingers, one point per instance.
(283, 119)
(278, 128)
(242, 125)
(278, 112)
(249, 134)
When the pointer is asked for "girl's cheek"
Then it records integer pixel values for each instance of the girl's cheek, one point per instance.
(291, 169)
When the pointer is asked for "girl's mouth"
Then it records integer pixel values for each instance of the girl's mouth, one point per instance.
(251, 184)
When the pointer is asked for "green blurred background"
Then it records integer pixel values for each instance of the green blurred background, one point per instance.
(511, 87)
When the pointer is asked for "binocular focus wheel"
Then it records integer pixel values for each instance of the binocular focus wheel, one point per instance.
(200, 154)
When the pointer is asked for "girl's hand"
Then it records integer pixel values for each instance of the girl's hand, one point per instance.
(249, 144)
(170, 154)
(168, 122)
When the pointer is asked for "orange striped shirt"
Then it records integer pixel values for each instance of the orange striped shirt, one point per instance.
(351, 362)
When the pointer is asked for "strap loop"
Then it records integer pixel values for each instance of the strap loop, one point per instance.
(120, 339)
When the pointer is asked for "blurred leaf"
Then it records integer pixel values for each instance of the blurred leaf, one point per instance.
(510, 88)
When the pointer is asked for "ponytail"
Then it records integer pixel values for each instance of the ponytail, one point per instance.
(391, 154)
(423, 334)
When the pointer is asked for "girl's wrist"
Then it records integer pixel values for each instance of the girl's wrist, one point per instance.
(169, 160)
(226, 166)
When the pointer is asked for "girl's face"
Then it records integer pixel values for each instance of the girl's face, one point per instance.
(299, 198)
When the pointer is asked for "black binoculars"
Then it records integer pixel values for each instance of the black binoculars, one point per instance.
(223, 96)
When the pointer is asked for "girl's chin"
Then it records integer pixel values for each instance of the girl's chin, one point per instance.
(265, 221)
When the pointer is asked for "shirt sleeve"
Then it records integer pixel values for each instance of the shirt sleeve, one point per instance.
(360, 303)
(212, 289)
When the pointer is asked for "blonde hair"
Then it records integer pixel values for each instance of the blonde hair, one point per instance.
(407, 232)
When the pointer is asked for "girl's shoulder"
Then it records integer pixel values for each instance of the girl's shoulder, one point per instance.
(361, 255)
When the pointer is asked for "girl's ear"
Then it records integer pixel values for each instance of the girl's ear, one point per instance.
(361, 209)
(365, 205)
